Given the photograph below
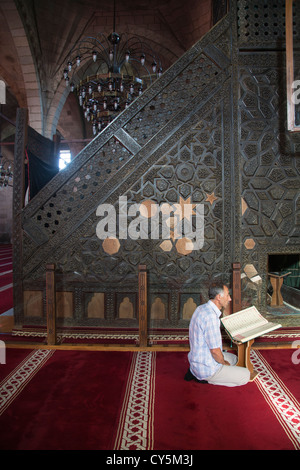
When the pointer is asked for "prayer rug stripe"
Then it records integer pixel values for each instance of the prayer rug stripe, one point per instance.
(135, 430)
(17, 380)
(6, 272)
(282, 402)
(8, 286)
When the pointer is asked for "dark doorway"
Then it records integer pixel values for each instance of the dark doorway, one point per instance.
(282, 263)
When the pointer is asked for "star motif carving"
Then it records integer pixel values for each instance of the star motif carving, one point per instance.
(211, 198)
(184, 209)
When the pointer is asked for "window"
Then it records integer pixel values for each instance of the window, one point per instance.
(64, 158)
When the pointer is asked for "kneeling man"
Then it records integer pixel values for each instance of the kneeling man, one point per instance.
(208, 362)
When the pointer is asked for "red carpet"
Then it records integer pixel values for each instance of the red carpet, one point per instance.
(6, 300)
(53, 399)
(71, 402)
(198, 416)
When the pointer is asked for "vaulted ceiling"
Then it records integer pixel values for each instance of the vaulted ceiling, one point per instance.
(36, 36)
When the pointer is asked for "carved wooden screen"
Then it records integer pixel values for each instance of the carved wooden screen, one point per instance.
(269, 153)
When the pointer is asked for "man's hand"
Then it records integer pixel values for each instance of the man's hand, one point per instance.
(218, 356)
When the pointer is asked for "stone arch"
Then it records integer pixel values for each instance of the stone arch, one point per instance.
(26, 88)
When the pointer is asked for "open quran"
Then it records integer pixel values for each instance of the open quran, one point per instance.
(247, 324)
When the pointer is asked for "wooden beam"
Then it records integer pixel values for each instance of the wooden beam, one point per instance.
(291, 125)
(236, 288)
(18, 204)
(142, 306)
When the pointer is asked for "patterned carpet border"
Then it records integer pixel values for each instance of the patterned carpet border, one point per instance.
(98, 334)
(135, 430)
(17, 380)
(131, 336)
(282, 402)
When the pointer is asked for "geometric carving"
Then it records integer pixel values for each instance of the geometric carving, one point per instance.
(127, 141)
(261, 22)
(184, 246)
(268, 173)
(181, 135)
(119, 259)
(249, 244)
(244, 206)
(211, 198)
(185, 171)
(166, 245)
(111, 245)
(36, 233)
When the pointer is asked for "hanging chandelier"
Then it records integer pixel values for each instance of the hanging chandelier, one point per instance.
(108, 73)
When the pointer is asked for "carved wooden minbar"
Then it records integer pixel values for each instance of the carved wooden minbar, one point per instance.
(211, 131)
